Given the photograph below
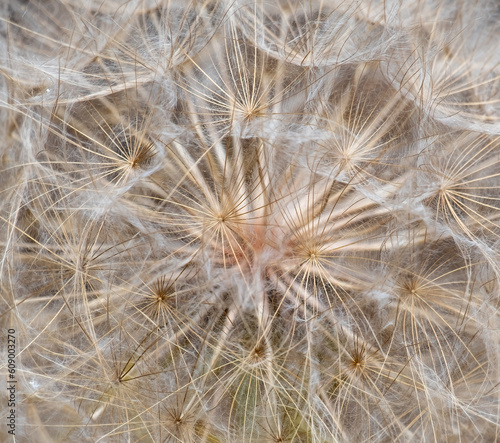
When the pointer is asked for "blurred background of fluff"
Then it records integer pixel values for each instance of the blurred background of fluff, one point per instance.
(251, 221)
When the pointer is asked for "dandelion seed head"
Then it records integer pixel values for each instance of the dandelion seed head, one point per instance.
(253, 222)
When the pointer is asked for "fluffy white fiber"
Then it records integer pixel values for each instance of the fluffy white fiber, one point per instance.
(251, 221)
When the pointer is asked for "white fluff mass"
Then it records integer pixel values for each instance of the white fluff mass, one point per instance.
(231, 221)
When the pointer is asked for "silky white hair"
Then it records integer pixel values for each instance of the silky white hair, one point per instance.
(251, 221)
